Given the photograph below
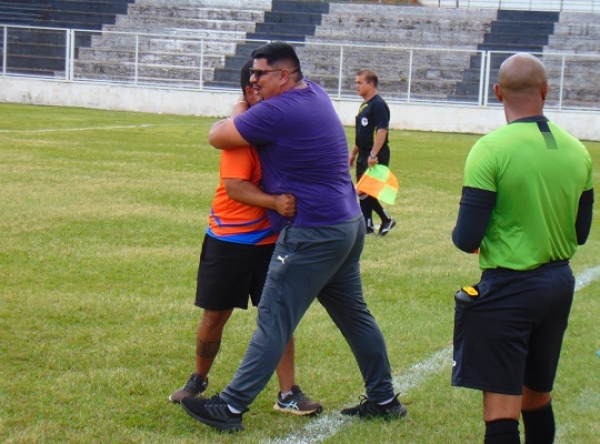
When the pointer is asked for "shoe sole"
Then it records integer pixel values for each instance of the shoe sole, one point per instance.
(314, 412)
(175, 401)
(395, 415)
(223, 426)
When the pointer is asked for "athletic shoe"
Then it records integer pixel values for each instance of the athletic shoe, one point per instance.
(370, 227)
(366, 409)
(297, 403)
(213, 412)
(195, 385)
(386, 227)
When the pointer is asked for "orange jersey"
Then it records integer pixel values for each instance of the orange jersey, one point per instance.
(233, 221)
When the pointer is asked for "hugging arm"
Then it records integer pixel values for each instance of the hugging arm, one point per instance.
(247, 193)
(224, 135)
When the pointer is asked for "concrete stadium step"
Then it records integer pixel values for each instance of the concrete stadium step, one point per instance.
(163, 43)
(218, 4)
(98, 6)
(186, 12)
(152, 57)
(512, 31)
(290, 21)
(528, 16)
(510, 39)
(145, 24)
(12, 14)
(416, 38)
(284, 22)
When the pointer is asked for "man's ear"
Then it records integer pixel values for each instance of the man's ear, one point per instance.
(498, 92)
(544, 91)
(285, 75)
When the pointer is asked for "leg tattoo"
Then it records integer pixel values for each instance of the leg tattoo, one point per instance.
(207, 349)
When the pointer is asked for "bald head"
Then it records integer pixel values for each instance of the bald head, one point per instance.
(522, 84)
(521, 73)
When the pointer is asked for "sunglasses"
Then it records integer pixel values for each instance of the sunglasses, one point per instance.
(259, 72)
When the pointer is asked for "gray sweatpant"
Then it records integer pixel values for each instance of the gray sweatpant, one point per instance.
(311, 263)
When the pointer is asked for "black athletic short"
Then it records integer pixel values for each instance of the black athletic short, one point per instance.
(229, 273)
(512, 335)
(362, 162)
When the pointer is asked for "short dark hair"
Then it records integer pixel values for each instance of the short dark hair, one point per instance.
(370, 76)
(277, 51)
(245, 75)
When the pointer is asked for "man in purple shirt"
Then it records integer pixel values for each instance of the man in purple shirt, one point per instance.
(303, 151)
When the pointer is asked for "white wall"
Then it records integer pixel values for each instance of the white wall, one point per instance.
(407, 116)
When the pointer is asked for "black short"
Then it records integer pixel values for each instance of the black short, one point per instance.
(512, 335)
(362, 162)
(229, 273)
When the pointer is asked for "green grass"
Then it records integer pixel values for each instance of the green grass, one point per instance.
(102, 217)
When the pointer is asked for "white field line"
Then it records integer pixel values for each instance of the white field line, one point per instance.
(326, 426)
(90, 128)
(587, 277)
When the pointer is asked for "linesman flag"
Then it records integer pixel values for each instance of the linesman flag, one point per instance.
(379, 182)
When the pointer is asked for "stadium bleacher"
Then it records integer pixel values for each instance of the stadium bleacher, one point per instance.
(34, 51)
(511, 31)
(167, 35)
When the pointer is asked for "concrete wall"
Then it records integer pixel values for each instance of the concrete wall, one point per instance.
(406, 116)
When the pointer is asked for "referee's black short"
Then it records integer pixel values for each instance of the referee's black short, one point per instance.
(512, 335)
(362, 162)
(229, 273)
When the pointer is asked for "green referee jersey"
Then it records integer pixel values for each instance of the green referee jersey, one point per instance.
(538, 172)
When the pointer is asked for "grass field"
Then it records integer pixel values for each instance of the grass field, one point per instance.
(102, 217)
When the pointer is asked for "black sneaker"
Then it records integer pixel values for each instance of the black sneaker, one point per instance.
(297, 403)
(370, 227)
(386, 227)
(195, 385)
(366, 409)
(213, 412)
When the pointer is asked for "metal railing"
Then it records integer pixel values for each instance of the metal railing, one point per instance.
(527, 5)
(196, 60)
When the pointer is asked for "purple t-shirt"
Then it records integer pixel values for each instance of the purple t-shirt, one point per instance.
(303, 151)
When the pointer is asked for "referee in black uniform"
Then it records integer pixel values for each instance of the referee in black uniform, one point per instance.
(371, 145)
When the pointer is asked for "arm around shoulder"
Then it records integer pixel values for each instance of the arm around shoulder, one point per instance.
(224, 135)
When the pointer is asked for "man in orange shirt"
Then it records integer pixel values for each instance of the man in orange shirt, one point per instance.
(235, 257)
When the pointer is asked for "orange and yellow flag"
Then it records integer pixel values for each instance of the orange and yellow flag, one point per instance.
(379, 182)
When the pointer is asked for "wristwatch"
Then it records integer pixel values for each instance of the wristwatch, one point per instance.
(373, 156)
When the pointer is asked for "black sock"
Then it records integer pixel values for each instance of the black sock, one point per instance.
(502, 431)
(539, 425)
(378, 209)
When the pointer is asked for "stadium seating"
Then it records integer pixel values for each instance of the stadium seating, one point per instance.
(381, 30)
(42, 51)
(511, 31)
(290, 21)
(578, 34)
(171, 41)
(163, 42)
